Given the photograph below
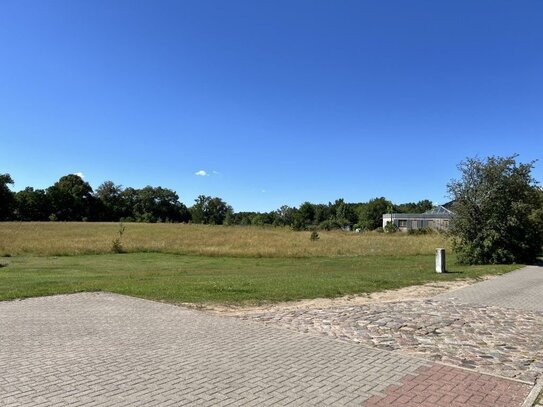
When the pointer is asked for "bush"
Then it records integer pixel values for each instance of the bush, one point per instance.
(314, 236)
(330, 224)
(390, 228)
(297, 225)
(116, 244)
(422, 231)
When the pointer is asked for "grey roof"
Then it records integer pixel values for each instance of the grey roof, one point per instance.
(439, 210)
(442, 215)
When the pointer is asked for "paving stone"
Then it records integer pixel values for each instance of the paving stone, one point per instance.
(520, 289)
(444, 386)
(503, 341)
(106, 349)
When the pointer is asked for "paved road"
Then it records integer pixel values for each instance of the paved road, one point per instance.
(521, 289)
(105, 349)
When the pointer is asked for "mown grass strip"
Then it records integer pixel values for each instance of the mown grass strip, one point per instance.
(200, 279)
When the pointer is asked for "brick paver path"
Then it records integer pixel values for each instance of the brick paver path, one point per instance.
(98, 348)
(445, 386)
(106, 349)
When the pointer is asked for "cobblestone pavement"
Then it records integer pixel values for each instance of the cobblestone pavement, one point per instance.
(521, 289)
(501, 341)
(104, 349)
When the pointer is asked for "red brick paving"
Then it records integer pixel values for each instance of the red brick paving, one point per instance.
(445, 386)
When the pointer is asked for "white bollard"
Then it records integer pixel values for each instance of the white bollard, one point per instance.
(440, 260)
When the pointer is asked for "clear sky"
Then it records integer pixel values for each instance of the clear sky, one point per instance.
(276, 102)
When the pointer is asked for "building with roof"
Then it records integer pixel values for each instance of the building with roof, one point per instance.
(439, 218)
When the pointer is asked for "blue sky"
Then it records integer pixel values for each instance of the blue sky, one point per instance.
(278, 102)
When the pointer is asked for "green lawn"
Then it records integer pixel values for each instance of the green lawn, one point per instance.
(199, 279)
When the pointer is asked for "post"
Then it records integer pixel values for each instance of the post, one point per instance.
(440, 260)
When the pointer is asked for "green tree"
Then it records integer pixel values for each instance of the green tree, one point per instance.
(71, 198)
(229, 219)
(423, 206)
(32, 204)
(261, 219)
(305, 216)
(7, 197)
(129, 199)
(323, 212)
(412, 207)
(497, 209)
(371, 214)
(112, 201)
(343, 213)
(157, 204)
(208, 210)
(284, 216)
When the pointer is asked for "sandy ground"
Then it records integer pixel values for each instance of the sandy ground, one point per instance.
(402, 294)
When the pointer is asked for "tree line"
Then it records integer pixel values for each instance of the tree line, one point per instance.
(497, 205)
(73, 199)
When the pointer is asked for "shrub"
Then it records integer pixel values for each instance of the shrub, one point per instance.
(116, 244)
(329, 224)
(314, 235)
(422, 231)
(390, 228)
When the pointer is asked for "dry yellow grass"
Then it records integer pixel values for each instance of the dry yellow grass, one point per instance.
(52, 238)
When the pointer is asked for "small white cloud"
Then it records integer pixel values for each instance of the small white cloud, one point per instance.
(201, 173)
(216, 172)
(79, 174)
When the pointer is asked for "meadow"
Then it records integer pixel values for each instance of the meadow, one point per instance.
(76, 238)
(215, 264)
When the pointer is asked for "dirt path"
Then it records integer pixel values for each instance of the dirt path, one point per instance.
(402, 294)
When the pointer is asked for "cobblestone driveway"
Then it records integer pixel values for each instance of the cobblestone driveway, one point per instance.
(501, 341)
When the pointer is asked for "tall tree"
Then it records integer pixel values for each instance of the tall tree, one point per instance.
(371, 214)
(344, 213)
(7, 197)
(412, 207)
(129, 199)
(209, 210)
(111, 198)
(157, 204)
(305, 216)
(32, 204)
(284, 216)
(71, 198)
(497, 211)
(323, 212)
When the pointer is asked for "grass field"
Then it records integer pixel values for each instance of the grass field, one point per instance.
(206, 264)
(58, 239)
